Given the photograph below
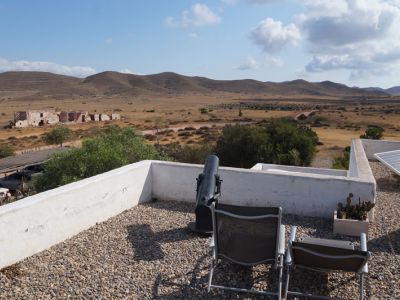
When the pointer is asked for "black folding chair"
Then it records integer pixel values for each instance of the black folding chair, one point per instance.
(323, 255)
(247, 236)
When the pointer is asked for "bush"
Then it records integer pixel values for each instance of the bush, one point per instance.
(279, 142)
(203, 110)
(342, 162)
(373, 133)
(114, 148)
(5, 151)
(195, 154)
(57, 136)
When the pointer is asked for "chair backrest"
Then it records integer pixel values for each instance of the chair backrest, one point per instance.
(327, 258)
(246, 235)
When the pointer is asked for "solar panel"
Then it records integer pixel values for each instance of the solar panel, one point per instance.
(390, 159)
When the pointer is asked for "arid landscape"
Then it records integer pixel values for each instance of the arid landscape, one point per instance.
(186, 104)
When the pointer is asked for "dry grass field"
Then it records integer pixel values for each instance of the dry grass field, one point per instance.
(341, 118)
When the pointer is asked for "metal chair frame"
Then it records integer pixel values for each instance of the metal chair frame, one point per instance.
(277, 261)
(362, 271)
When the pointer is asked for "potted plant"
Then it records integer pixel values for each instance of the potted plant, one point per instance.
(352, 219)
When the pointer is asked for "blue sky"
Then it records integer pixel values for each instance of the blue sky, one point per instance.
(355, 42)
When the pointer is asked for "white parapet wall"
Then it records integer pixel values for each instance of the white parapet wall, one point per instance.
(36, 223)
(293, 169)
(304, 194)
(376, 146)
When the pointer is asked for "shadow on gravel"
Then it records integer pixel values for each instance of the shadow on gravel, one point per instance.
(387, 243)
(147, 244)
(193, 285)
(388, 184)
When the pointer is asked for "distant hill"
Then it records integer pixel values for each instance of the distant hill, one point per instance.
(36, 85)
(394, 91)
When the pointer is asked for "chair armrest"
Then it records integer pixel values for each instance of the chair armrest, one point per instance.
(292, 234)
(363, 246)
(211, 243)
(363, 242)
(282, 235)
(292, 237)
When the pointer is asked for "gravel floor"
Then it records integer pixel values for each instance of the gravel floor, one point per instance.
(148, 252)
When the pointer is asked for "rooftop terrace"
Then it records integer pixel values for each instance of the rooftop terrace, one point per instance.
(148, 252)
(91, 239)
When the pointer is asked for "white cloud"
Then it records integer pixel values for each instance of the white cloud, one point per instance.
(249, 64)
(129, 71)
(362, 37)
(108, 41)
(272, 36)
(198, 15)
(233, 2)
(44, 66)
(275, 61)
(193, 35)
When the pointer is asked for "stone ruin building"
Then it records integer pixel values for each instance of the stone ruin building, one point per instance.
(45, 117)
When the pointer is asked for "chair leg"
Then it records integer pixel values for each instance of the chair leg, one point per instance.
(361, 286)
(210, 277)
(280, 283)
(287, 282)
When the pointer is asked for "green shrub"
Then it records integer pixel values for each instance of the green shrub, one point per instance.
(5, 151)
(281, 141)
(195, 154)
(373, 133)
(57, 136)
(112, 149)
(203, 110)
(342, 162)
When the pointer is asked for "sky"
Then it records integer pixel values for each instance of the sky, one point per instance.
(355, 42)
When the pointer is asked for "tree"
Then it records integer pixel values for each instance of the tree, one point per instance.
(195, 154)
(5, 151)
(57, 136)
(243, 146)
(373, 133)
(112, 149)
(281, 141)
(291, 144)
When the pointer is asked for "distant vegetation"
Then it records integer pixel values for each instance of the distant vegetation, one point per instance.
(342, 162)
(373, 133)
(281, 141)
(5, 151)
(114, 148)
(195, 154)
(58, 135)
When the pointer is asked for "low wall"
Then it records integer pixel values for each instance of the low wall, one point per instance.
(376, 146)
(359, 165)
(301, 194)
(36, 223)
(307, 170)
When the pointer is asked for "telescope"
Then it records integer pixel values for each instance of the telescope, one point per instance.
(208, 190)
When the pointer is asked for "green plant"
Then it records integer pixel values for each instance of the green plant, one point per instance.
(195, 154)
(373, 133)
(5, 151)
(57, 136)
(114, 148)
(281, 141)
(354, 211)
(342, 162)
(203, 110)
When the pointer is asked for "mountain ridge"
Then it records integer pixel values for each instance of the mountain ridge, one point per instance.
(110, 83)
